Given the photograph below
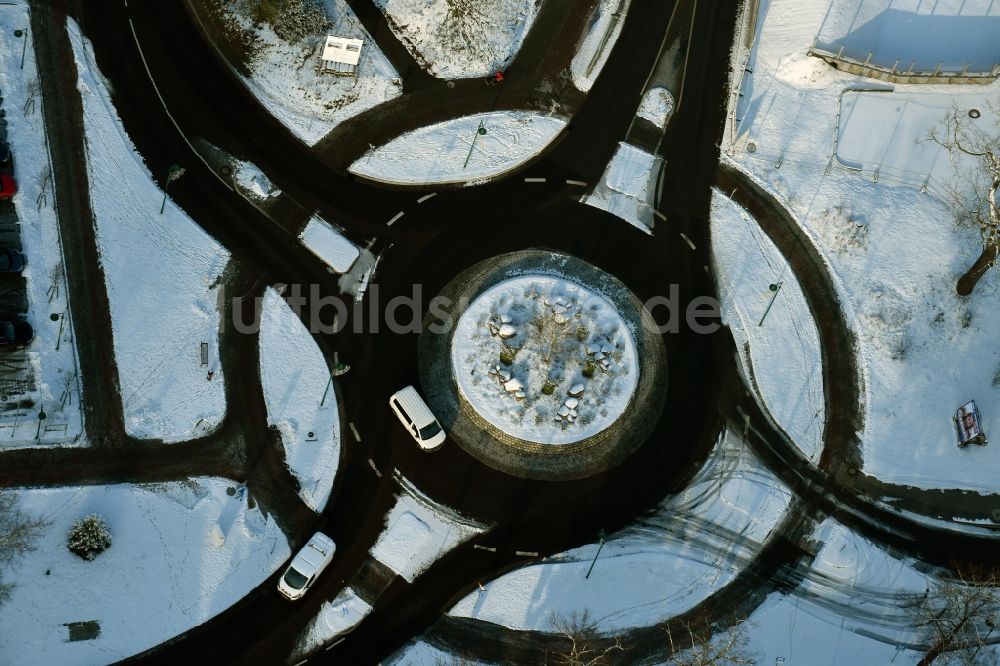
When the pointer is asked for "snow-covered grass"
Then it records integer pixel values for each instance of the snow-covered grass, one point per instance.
(284, 76)
(785, 351)
(335, 618)
(253, 182)
(627, 187)
(419, 531)
(694, 545)
(951, 32)
(894, 251)
(162, 575)
(603, 29)
(51, 373)
(656, 106)
(523, 351)
(460, 39)
(329, 245)
(296, 379)
(161, 273)
(420, 653)
(437, 153)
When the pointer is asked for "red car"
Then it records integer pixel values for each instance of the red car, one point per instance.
(8, 187)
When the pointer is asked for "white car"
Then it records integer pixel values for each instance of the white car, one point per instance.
(306, 566)
(418, 419)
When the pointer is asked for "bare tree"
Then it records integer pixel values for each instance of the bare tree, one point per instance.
(696, 643)
(18, 532)
(585, 648)
(975, 195)
(959, 619)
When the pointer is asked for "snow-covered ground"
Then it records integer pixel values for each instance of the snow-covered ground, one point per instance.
(162, 575)
(627, 187)
(48, 367)
(656, 106)
(561, 331)
(301, 403)
(253, 182)
(437, 153)
(284, 75)
(603, 29)
(420, 653)
(785, 351)
(461, 40)
(418, 531)
(951, 32)
(693, 546)
(893, 250)
(335, 618)
(329, 245)
(161, 272)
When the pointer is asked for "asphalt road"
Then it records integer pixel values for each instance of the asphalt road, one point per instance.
(431, 243)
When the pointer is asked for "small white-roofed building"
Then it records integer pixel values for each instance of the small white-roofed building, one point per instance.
(341, 55)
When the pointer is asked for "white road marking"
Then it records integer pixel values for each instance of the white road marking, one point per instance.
(476, 546)
(659, 215)
(395, 218)
(374, 468)
(525, 553)
(426, 197)
(578, 183)
(688, 241)
(354, 431)
(534, 180)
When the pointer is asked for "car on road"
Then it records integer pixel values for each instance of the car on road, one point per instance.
(418, 419)
(306, 567)
(11, 261)
(8, 187)
(15, 332)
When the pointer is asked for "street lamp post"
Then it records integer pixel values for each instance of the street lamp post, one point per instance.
(600, 537)
(24, 46)
(175, 172)
(479, 132)
(775, 288)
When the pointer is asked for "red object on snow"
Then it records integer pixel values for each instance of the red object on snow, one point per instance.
(498, 77)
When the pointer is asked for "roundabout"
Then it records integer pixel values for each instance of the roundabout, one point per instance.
(543, 366)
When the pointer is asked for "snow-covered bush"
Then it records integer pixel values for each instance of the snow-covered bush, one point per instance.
(89, 537)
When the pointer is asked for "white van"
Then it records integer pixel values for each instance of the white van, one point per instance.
(417, 417)
(306, 566)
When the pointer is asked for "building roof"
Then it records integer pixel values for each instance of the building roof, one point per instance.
(342, 50)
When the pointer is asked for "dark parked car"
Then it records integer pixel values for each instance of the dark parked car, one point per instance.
(15, 332)
(4, 154)
(11, 261)
(8, 187)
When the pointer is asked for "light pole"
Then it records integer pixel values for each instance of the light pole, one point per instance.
(775, 288)
(24, 47)
(600, 537)
(479, 132)
(175, 172)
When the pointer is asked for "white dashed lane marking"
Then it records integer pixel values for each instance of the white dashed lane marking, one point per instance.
(395, 218)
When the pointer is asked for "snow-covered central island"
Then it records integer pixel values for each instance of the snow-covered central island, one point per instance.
(545, 359)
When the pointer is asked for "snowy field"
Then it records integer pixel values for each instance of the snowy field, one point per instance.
(657, 105)
(627, 187)
(437, 153)
(329, 245)
(161, 273)
(603, 29)
(952, 32)
(162, 575)
(785, 351)
(296, 379)
(461, 39)
(418, 531)
(284, 77)
(894, 252)
(558, 332)
(335, 618)
(693, 546)
(54, 385)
